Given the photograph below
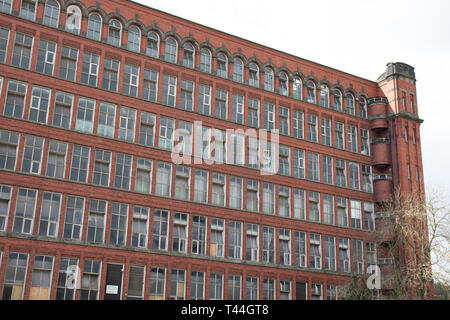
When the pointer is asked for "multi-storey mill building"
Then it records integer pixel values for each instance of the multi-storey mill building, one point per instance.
(95, 96)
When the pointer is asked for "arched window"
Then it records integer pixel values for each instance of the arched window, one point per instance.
(205, 60)
(134, 39)
(73, 22)
(5, 6)
(171, 50)
(238, 70)
(268, 79)
(253, 75)
(310, 91)
(153, 44)
(350, 103)
(94, 30)
(283, 84)
(324, 96)
(363, 107)
(337, 99)
(115, 33)
(188, 55)
(222, 65)
(297, 88)
(51, 13)
(28, 9)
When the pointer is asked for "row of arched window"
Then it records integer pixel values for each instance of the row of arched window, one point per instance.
(115, 30)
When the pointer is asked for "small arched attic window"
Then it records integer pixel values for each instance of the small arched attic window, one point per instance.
(134, 39)
(222, 65)
(350, 103)
(253, 75)
(153, 44)
(188, 55)
(324, 96)
(363, 107)
(297, 88)
(171, 50)
(51, 13)
(238, 70)
(283, 84)
(73, 21)
(268, 79)
(310, 91)
(205, 60)
(337, 99)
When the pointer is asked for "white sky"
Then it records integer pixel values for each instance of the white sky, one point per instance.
(358, 37)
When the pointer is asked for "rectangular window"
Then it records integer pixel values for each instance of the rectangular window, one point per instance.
(80, 163)
(177, 284)
(253, 112)
(136, 282)
(284, 243)
(237, 112)
(23, 45)
(234, 287)
(354, 175)
(182, 183)
(313, 166)
(127, 124)
(269, 116)
(160, 231)
(64, 287)
(215, 286)
(236, 184)
(314, 206)
(339, 135)
(332, 292)
(284, 160)
(328, 209)
(169, 91)
(235, 240)
(299, 204)
(96, 222)
(327, 169)
(285, 290)
(198, 235)
(202, 140)
(299, 163)
(315, 250)
(352, 139)
(63, 110)
(204, 99)
(4, 38)
(89, 71)
(73, 223)
(166, 132)
(253, 152)
(344, 255)
(197, 285)
(139, 233)
(143, 175)
(201, 186)
(316, 291)
(298, 124)
(157, 283)
(184, 138)
(356, 214)
(268, 157)
(218, 189)
(358, 256)
(102, 167)
(106, 120)
(341, 173)
(268, 198)
(40, 98)
(15, 274)
(283, 120)
(49, 218)
(150, 86)
(56, 162)
(326, 131)
(268, 245)
(365, 146)
(122, 178)
(252, 195)
(32, 154)
(252, 242)
(42, 278)
(68, 63)
(251, 288)
(85, 115)
(284, 201)
(119, 223)
(111, 70)
(330, 253)
(312, 128)
(187, 95)
(25, 208)
(342, 212)
(221, 104)
(28, 9)
(131, 80)
(90, 284)
(9, 142)
(5, 203)
(217, 247)
(220, 146)
(369, 216)
(300, 248)
(163, 178)
(367, 178)
(180, 232)
(269, 289)
(371, 253)
(46, 57)
(147, 129)
(15, 99)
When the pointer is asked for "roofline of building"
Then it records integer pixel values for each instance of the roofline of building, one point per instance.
(252, 42)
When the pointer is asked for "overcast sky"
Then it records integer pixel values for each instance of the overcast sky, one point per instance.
(358, 37)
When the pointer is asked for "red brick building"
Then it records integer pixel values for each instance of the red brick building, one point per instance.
(96, 98)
